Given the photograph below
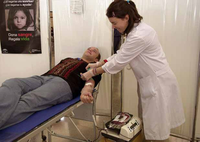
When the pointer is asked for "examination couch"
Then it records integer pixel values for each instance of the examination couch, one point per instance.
(39, 121)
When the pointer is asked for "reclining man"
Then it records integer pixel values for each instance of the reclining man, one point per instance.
(21, 97)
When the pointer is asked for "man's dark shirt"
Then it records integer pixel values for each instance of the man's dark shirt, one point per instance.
(69, 69)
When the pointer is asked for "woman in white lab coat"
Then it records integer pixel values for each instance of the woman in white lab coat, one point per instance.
(158, 89)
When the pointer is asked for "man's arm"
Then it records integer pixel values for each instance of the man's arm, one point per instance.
(86, 92)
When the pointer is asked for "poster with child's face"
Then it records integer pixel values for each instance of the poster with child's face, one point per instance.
(20, 31)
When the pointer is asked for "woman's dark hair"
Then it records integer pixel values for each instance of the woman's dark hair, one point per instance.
(11, 15)
(121, 8)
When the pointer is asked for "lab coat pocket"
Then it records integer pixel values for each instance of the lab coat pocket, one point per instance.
(147, 87)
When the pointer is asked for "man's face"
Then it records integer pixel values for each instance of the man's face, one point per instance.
(92, 53)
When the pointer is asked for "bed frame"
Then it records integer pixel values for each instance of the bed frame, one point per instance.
(39, 121)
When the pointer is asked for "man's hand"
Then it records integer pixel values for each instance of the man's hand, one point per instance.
(86, 97)
(86, 92)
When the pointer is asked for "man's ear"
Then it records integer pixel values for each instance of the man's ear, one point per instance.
(96, 60)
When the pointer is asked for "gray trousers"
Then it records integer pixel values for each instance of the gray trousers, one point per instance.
(21, 97)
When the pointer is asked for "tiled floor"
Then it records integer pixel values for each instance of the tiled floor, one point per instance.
(65, 127)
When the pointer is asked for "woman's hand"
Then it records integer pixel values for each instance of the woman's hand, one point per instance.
(87, 75)
(93, 65)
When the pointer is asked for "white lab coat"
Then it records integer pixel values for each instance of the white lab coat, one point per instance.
(159, 93)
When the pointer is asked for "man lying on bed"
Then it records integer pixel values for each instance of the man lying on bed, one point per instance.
(21, 97)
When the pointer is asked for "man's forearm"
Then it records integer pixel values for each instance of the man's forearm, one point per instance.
(89, 86)
(86, 93)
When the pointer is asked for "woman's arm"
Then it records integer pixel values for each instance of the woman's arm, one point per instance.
(92, 72)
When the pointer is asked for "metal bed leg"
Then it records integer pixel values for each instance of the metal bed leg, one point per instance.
(77, 129)
(44, 138)
(94, 118)
(94, 113)
(52, 133)
(49, 134)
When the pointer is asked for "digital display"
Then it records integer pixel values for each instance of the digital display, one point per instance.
(133, 125)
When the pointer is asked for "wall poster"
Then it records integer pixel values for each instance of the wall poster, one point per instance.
(20, 27)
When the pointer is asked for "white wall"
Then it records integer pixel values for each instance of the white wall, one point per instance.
(25, 65)
(177, 23)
